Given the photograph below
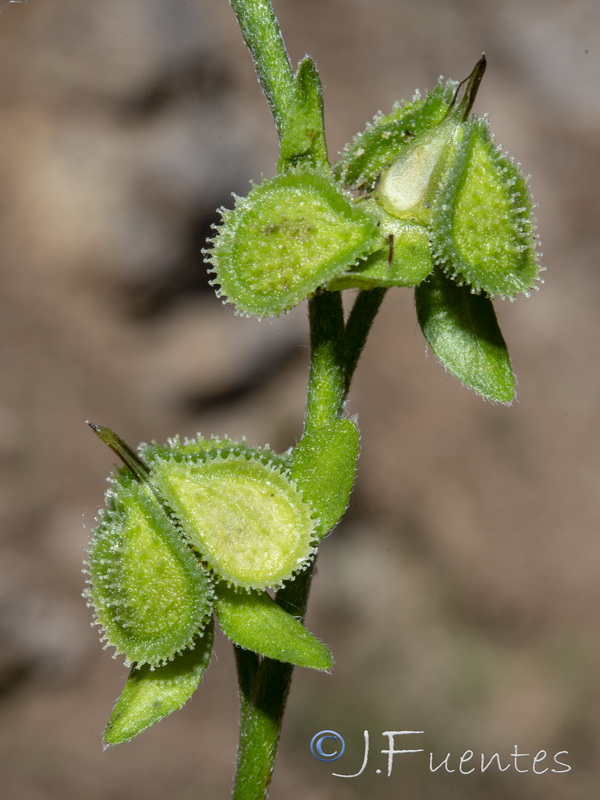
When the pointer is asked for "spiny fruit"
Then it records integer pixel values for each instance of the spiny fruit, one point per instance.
(249, 523)
(292, 234)
(150, 594)
(482, 224)
(389, 136)
(447, 175)
(200, 448)
(241, 512)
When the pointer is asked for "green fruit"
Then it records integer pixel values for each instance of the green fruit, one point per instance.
(201, 449)
(291, 235)
(150, 594)
(241, 512)
(482, 225)
(389, 136)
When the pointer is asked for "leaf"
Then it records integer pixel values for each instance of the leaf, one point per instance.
(324, 468)
(255, 622)
(151, 694)
(303, 138)
(462, 331)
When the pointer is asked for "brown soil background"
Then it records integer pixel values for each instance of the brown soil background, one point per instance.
(461, 595)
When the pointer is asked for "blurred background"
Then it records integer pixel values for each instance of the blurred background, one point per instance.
(461, 595)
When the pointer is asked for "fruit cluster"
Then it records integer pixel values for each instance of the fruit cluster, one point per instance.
(202, 526)
(422, 198)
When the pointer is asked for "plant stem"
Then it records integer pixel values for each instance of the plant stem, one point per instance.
(264, 691)
(359, 324)
(261, 713)
(327, 379)
(264, 684)
(263, 37)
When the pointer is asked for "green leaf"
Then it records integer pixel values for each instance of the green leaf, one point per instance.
(303, 138)
(153, 693)
(324, 468)
(462, 330)
(255, 622)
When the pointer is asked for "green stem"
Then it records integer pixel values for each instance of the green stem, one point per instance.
(327, 380)
(263, 37)
(264, 684)
(263, 693)
(359, 324)
(247, 666)
(260, 725)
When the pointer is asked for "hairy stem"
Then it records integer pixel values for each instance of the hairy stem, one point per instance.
(264, 691)
(327, 380)
(264, 684)
(263, 37)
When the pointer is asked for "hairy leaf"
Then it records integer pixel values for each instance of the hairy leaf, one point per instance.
(255, 622)
(324, 468)
(462, 330)
(150, 694)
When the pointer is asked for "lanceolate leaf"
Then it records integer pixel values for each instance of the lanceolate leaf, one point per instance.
(151, 694)
(324, 467)
(255, 622)
(303, 139)
(462, 331)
